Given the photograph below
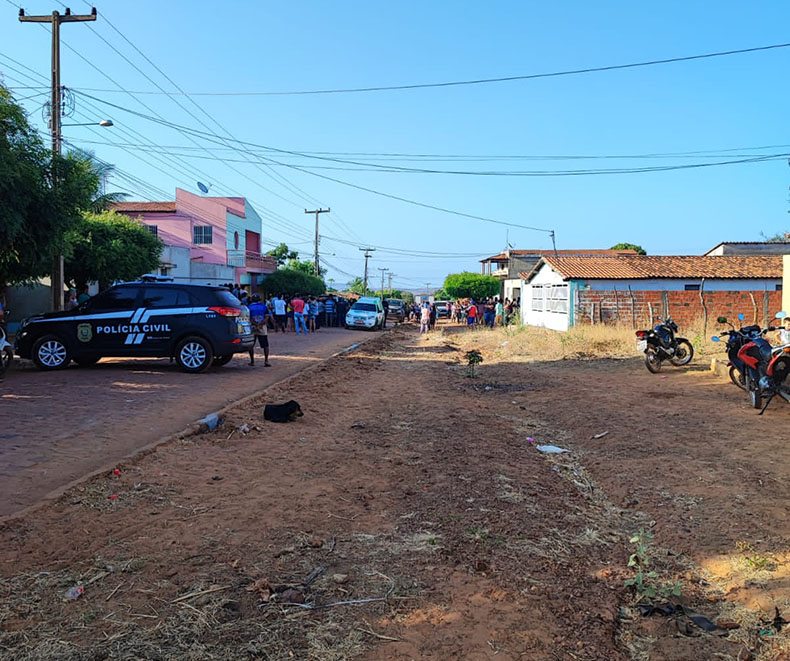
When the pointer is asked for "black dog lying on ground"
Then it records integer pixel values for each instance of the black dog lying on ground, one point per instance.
(287, 412)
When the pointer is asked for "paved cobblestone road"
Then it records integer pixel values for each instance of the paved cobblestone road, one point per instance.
(58, 426)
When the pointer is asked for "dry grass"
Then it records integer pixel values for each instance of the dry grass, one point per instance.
(583, 342)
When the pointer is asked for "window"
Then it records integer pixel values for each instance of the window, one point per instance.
(236, 240)
(202, 234)
(778, 287)
(557, 298)
(154, 229)
(537, 298)
(164, 297)
(691, 287)
(364, 307)
(123, 298)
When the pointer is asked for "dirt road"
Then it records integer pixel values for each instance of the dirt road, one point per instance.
(58, 426)
(409, 515)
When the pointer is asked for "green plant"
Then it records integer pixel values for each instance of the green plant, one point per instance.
(647, 583)
(753, 560)
(473, 357)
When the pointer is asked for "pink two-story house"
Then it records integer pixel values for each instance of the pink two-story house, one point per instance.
(207, 239)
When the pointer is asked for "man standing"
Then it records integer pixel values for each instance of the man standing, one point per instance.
(279, 313)
(331, 312)
(259, 316)
(297, 303)
(386, 306)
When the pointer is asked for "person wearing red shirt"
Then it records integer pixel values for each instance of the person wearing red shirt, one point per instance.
(297, 303)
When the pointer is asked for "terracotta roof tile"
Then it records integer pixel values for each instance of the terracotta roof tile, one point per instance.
(561, 253)
(140, 207)
(627, 267)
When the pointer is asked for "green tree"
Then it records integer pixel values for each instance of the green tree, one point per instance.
(102, 200)
(629, 246)
(283, 254)
(471, 285)
(779, 237)
(442, 295)
(107, 246)
(35, 214)
(305, 266)
(357, 285)
(289, 281)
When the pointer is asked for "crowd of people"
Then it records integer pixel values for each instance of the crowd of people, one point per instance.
(491, 312)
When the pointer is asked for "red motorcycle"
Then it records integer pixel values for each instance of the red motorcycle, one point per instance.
(766, 369)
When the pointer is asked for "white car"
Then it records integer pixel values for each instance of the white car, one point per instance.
(367, 313)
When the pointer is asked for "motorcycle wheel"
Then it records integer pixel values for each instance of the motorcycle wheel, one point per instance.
(737, 377)
(652, 361)
(6, 356)
(684, 352)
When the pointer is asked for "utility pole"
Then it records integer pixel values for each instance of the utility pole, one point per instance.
(317, 269)
(427, 290)
(390, 275)
(56, 19)
(383, 271)
(367, 257)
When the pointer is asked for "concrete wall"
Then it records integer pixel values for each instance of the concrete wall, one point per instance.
(750, 249)
(545, 317)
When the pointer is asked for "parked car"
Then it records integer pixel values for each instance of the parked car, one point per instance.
(397, 309)
(367, 312)
(197, 325)
(442, 309)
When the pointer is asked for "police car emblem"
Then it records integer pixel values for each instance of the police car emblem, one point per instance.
(84, 332)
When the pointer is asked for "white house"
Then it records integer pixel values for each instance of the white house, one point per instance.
(563, 291)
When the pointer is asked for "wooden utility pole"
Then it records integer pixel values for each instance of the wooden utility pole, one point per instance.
(55, 112)
(383, 271)
(317, 268)
(367, 257)
(389, 283)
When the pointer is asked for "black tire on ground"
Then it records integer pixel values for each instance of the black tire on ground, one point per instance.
(223, 360)
(652, 361)
(6, 357)
(737, 377)
(684, 352)
(87, 361)
(194, 354)
(755, 397)
(50, 353)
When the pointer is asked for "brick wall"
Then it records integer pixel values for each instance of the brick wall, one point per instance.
(685, 307)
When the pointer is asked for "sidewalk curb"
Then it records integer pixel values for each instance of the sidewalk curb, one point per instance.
(192, 429)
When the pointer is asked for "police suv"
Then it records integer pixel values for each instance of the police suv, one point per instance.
(197, 325)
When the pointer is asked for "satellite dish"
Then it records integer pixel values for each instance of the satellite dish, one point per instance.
(203, 188)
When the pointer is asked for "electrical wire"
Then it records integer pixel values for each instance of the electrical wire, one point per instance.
(477, 81)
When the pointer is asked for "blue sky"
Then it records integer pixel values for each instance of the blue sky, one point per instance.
(714, 104)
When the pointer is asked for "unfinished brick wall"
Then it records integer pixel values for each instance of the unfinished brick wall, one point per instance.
(686, 308)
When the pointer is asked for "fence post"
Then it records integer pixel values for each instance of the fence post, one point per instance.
(754, 308)
(633, 314)
(616, 305)
(650, 312)
(665, 303)
(768, 316)
(704, 308)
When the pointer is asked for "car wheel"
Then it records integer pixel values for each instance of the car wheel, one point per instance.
(50, 353)
(223, 360)
(194, 354)
(87, 361)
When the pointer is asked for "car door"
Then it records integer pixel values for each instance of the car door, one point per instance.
(166, 311)
(109, 321)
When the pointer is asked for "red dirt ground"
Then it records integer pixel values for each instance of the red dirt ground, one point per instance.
(414, 487)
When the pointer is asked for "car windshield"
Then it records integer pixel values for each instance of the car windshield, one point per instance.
(224, 297)
(364, 307)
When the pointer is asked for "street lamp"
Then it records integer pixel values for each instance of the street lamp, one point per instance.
(103, 122)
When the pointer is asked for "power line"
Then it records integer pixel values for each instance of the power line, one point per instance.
(476, 81)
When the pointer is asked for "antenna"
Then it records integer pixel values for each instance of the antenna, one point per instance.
(203, 188)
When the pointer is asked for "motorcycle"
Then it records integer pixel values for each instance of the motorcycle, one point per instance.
(766, 369)
(661, 344)
(6, 353)
(735, 341)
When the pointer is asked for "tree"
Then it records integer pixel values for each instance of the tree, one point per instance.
(289, 281)
(357, 285)
(471, 285)
(283, 254)
(103, 200)
(305, 266)
(442, 295)
(108, 246)
(629, 246)
(779, 237)
(36, 214)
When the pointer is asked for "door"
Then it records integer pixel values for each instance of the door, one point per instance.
(253, 240)
(166, 311)
(109, 321)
